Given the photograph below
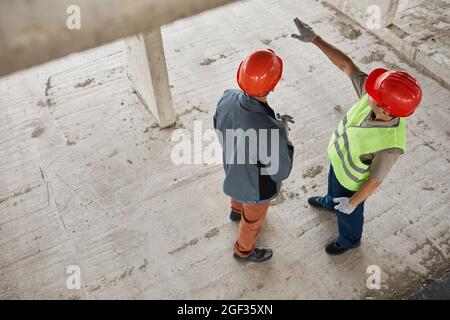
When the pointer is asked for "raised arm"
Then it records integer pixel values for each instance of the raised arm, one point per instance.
(340, 59)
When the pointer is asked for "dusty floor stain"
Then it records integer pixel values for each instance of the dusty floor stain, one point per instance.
(37, 132)
(184, 246)
(313, 171)
(84, 83)
(348, 31)
(212, 233)
(207, 61)
(375, 56)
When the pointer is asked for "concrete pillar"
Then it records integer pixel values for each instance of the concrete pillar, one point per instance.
(147, 71)
(36, 31)
(390, 12)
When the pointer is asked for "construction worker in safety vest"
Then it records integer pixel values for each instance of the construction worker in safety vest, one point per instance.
(246, 125)
(366, 143)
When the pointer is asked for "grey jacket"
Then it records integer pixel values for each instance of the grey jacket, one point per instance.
(259, 156)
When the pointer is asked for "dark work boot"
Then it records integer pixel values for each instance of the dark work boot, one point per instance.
(234, 216)
(335, 249)
(259, 254)
(315, 202)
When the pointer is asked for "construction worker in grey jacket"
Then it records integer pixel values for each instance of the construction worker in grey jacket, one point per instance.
(257, 154)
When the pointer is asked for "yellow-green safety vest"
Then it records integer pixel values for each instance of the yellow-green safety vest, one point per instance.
(350, 141)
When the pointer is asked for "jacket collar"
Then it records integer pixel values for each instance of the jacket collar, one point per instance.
(251, 104)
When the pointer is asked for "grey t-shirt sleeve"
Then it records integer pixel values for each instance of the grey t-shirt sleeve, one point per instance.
(358, 78)
(382, 163)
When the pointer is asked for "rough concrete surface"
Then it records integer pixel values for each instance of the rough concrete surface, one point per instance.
(86, 177)
(439, 290)
(426, 24)
(418, 29)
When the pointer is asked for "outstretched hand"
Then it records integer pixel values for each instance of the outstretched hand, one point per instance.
(307, 34)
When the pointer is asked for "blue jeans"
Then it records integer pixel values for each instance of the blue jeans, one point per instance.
(350, 225)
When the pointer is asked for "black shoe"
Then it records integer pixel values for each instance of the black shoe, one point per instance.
(234, 216)
(335, 249)
(315, 202)
(259, 254)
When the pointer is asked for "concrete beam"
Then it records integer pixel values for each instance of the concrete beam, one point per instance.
(35, 31)
(391, 34)
(147, 71)
(367, 10)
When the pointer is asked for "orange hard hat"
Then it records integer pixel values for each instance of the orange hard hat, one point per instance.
(397, 92)
(260, 72)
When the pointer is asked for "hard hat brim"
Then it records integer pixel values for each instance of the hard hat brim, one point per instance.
(372, 84)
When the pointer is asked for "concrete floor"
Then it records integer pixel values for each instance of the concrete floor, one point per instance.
(86, 177)
(439, 290)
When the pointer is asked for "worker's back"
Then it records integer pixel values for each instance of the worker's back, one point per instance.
(248, 131)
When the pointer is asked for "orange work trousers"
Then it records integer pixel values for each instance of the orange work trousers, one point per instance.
(252, 218)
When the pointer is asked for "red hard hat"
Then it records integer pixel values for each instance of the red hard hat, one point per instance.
(397, 92)
(260, 72)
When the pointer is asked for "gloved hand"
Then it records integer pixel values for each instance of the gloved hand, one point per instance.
(286, 119)
(344, 205)
(307, 34)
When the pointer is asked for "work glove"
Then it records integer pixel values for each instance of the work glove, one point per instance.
(286, 119)
(307, 34)
(344, 205)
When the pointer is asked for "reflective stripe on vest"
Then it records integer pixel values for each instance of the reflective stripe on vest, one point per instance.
(350, 141)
